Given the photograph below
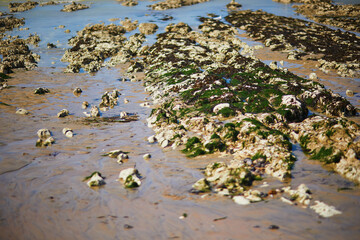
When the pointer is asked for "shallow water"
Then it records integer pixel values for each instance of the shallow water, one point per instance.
(42, 195)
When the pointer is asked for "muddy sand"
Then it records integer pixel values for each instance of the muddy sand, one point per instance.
(244, 141)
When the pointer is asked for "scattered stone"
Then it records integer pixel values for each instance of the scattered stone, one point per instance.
(130, 178)
(148, 28)
(84, 105)
(45, 138)
(127, 226)
(313, 76)
(152, 139)
(61, 26)
(147, 156)
(43, 133)
(274, 227)
(324, 210)
(74, 7)
(94, 111)
(41, 91)
(22, 111)
(114, 153)
(121, 157)
(67, 31)
(51, 45)
(63, 113)
(95, 180)
(123, 114)
(68, 132)
(126, 101)
(349, 93)
(241, 200)
(77, 91)
(109, 99)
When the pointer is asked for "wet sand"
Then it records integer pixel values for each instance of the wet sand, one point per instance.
(43, 195)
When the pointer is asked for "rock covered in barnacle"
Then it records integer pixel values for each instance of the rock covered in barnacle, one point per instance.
(109, 99)
(22, 7)
(45, 138)
(129, 25)
(148, 28)
(169, 4)
(295, 109)
(94, 111)
(324, 210)
(130, 178)
(233, 5)
(74, 7)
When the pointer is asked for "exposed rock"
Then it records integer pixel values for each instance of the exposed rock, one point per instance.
(349, 93)
(114, 153)
(233, 5)
(63, 113)
(241, 200)
(202, 185)
(51, 45)
(22, 111)
(84, 105)
(220, 106)
(45, 138)
(92, 46)
(302, 38)
(313, 76)
(148, 28)
(130, 178)
(95, 180)
(302, 194)
(74, 7)
(129, 3)
(169, 4)
(109, 99)
(22, 7)
(94, 111)
(152, 139)
(41, 91)
(68, 132)
(345, 16)
(129, 25)
(123, 114)
(147, 156)
(121, 157)
(43, 133)
(77, 91)
(324, 210)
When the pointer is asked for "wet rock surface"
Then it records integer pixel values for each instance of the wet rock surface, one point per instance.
(302, 39)
(194, 73)
(74, 7)
(169, 4)
(148, 28)
(21, 7)
(343, 16)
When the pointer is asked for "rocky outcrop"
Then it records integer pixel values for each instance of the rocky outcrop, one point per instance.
(148, 28)
(333, 49)
(22, 7)
(169, 4)
(74, 7)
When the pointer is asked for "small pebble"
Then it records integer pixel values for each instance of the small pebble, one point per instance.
(84, 105)
(127, 226)
(274, 227)
(147, 156)
(22, 111)
(349, 93)
(67, 31)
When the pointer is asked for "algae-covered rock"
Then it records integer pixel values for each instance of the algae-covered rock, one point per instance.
(114, 153)
(202, 185)
(130, 178)
(95, 180)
